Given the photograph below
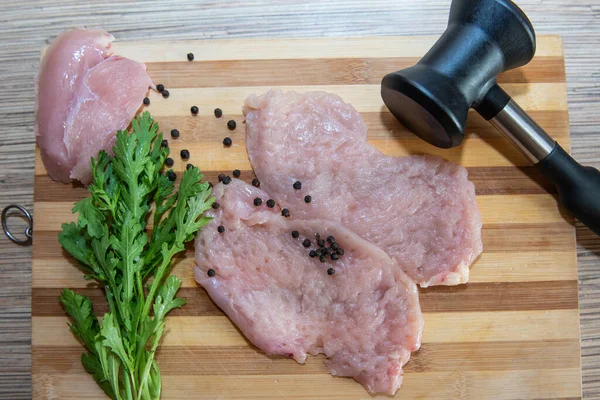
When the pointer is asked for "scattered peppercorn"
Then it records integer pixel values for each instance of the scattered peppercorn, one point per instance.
(215, 205)
(312, 254)
(171, 175)
(146, 101)
(174, 133)
(164, 143)
(221, 229)
(185, 154)
(270, 203)
(334, 256)
(169, 162)
(160, 87)
(210, 272)
(307, 199)
(285, 212)
(255, 182)
(226, 180)
(257, 201)
(334, 246)
(322, 258)
(231, 124)
(317, 236)
(320, 243)
(330, 271)
(189, 166)
(325, 250)
(227, 141)
(221, 177)
(330, 239)
(297, 185)
(340, 252)
(218, 112)
(236, 173)
(194, 110)
(190, 56)
(306, 243)
(165, 93)
(295, 234)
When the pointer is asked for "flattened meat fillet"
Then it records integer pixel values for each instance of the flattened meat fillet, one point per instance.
(421, 210)
(365, 317)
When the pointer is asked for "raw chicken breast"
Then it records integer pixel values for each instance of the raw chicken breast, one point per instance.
(365, 318)
(84, 97)
(421, 210)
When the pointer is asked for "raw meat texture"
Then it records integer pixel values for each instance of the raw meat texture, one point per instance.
(84, 96)
(365, 318)
(421, 210)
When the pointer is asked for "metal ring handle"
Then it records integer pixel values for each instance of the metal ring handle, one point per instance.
(28, 231)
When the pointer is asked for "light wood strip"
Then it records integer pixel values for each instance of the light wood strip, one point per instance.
(277, 49)
(468, 385)
(490, 267)
(246, 360)
(494, 210)
(451, 327)
(320, 71)
(495, 296)
(364, 98)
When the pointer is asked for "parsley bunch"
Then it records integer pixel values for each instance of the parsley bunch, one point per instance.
(112, 247)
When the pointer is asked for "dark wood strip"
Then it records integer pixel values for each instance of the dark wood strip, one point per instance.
(506, 296)
(335, 71)
(487, 180)
(496, 238)
(247, 360)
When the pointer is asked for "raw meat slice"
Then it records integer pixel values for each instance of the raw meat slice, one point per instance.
(365, 318)
(421, 210)
(83, 98)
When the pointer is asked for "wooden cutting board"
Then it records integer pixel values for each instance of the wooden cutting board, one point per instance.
(511, 333)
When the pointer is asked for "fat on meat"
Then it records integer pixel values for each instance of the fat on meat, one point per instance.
(421, 210)
(84, 96)
(365, 318)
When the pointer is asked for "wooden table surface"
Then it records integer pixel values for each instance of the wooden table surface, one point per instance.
(26, 25)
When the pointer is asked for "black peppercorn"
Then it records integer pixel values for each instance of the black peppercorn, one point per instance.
(295, 234)
(330, 239)
(334, 246)
(340, 252)
(218, 112)
(210, 272)
(221, 177)
(270, 203)
(227, 141)
(297, 185)
(171, 175)
(185, 154)
(226, 180)
(221, 229)
(189, 166)
(190, 56)
(194, 110)
(231, 124)
(307, 199)
(312, 254)
(169, 162)
(306, 243)
(257, 201)
(255, 182)
(320, 242)
(334, 256)
(215, 205)
(160, 87)
(146, 101)
(164, 143)
(236, 173)
(322, 258)
(330, 271)
(285, 212)
(174, 133)
(165, 93)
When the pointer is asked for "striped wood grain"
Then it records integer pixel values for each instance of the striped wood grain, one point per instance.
(512, 332)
